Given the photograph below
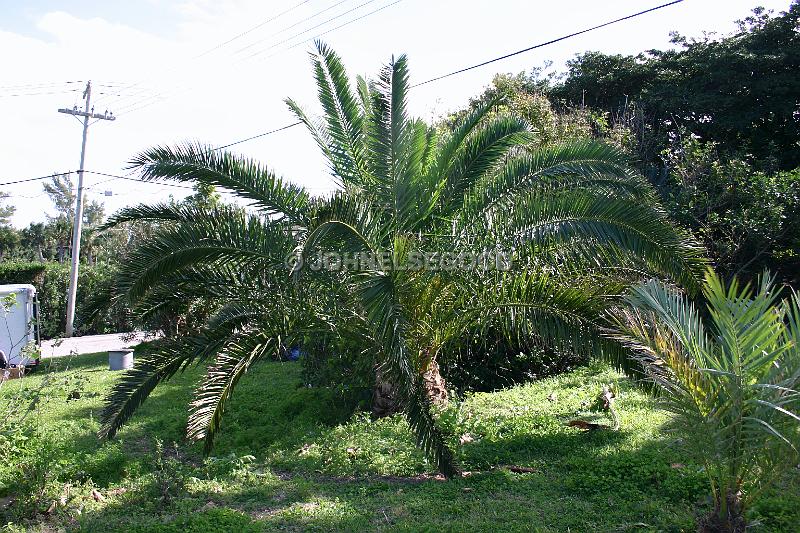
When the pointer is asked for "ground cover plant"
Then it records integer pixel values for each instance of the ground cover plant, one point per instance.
(291, 459)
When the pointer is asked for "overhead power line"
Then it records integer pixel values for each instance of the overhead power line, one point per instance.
(147, 101)
(136, 104)
(347, 23)
(38, 178)
(39, 93)
(33, 85)
(455, 72)
(552, 41)
(259, 135)
(287, 28)
(118, 177)
(112, 176)
(257, 26)
(317, 36)
(312, 28)
(151, 100)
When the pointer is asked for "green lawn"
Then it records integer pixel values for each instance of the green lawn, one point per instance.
(292, 459)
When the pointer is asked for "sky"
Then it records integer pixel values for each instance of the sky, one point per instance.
(218, 71)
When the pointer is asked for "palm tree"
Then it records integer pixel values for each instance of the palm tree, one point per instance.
(576, 222)
(731, 377)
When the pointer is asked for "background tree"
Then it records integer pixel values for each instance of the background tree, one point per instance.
(9, 237)
(59, 227)
(748, 219)
(34, 242)
(740, 91)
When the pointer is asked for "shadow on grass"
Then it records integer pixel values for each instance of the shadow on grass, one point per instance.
(582, 481)
(270, 408)
(585, 487)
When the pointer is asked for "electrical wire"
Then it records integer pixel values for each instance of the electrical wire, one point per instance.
(131, 105)
(35, 85)
(315, 15)
(242, 34)
(63, 91)
(124, 93)
(540, 45)
(118, 177)
(257, 136)
(147, 102)
(340, 15)
(506, 56)
(36, 179)
(346, 23)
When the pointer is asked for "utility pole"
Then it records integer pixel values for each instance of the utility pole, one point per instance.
(87, 114)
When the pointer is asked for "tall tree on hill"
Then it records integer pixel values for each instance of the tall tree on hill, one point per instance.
(59, 227)
(740, 91)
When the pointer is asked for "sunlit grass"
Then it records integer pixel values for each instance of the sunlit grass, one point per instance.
(293, 458)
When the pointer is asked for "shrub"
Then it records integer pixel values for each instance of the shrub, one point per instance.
(488, 360)
(732, 379)
(51, 281)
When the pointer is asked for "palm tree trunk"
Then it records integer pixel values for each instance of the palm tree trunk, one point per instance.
(435, 386)
(386, 398)
(727, 517)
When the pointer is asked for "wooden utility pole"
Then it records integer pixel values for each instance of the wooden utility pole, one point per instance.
(87, 114)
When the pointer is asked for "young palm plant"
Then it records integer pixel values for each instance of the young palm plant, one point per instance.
(731, 377)
(575, 222)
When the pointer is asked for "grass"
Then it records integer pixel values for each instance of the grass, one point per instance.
(292, 458)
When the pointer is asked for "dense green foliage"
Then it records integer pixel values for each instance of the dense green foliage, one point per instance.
(292, 459)
(51, 280)
(732, 379)
(749, 219)
(575, 221)
(713, 124)
(15, 272)
(52, 240)
(741, 91)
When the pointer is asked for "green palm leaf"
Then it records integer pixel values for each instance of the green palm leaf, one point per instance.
(731, 378)
(248, 179)
(212, 394)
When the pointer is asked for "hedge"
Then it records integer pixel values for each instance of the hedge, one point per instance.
(51, 282)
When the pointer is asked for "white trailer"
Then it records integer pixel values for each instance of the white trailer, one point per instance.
(18, 324)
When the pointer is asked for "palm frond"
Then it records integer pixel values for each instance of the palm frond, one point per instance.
(222, 235)
(631, 226)
(195, 162)
(343, 118)
(481, 152)
(160, 212)
(156, 364)
(586, 164)
(452, 144)
(212, 394)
